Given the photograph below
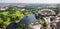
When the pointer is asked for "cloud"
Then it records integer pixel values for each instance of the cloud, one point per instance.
(29, 1)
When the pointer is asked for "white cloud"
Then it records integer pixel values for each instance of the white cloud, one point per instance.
(29, 1)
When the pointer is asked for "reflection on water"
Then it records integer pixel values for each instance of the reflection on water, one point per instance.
(29, 19)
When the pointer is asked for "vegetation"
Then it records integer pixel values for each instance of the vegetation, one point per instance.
(16, 15)
(9, 15)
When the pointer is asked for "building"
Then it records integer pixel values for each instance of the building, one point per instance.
(38, 26)
(46, 12)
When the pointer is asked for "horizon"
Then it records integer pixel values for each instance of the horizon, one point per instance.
(32, 1)
(28, 3)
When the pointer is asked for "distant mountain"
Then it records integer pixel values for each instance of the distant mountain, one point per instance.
(27, 4)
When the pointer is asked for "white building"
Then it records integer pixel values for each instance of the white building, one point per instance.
(46, 12)
(3, 8)
(38, 26)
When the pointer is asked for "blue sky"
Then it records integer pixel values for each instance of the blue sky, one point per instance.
(29, 1)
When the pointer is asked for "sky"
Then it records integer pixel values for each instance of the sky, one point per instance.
(29, 1)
